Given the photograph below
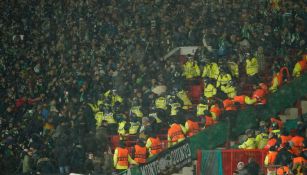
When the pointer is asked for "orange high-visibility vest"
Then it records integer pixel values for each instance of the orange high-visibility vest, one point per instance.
(209, 121)
(299, 160)
(297, 140)
(283, 170)
(140, 154)
(271, 142)
(259, 94)
(229, 105)
(193, 128)
(216, 110)
(303, 64)
(122, 157)
(175, 132)
(240, 99)
(271, 157)
(297, 144)
(155, 145)
(284, 139)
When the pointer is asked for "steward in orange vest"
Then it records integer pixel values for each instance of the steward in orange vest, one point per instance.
(121, 158)
(300, 67)
(271, 156)
(284, 170)
(215, 111)
(279, 78)
(284, 137)
(229, 105)
(271, 142)
(153, 144)
(175, 133)
(259, 93)
(192, 127)
(209, 119)
(299, 160)
(298, 144)
(140, 152)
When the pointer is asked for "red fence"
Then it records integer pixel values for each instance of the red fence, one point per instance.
(230, 159)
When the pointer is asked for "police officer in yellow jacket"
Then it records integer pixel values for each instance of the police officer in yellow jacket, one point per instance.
(136, 109)
(99, 116)
(113, 96)
(251, 68)
(123, 127)
(190, 68)
(250, 143)
(160, 103)
(223, 79)
(211, 70)
(229, 90)
(202, 107)
(182, 95)
(134, 125)
(234, 68)
(209, 88)
(175, 105)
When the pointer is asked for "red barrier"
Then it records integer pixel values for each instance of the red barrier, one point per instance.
(233, 156)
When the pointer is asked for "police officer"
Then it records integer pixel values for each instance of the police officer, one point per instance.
(209, 88)
(136, 109)
(190, 68)
(134, 125)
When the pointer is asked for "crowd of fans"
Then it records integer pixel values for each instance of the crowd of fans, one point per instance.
(64, 62)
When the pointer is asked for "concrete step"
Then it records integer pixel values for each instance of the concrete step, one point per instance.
(304, 106)
(291, 113)
(187, 170)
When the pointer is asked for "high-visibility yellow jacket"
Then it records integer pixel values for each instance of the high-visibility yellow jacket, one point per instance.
(114, 98)
(109, 118)
(191, 69)
(175, 108)
(209, 91)
(206, 71)
(214, 71)
(155, 116)
(250, 143)
(186, 101)
(261, 140)
(161, 103)
(229, 90)
(201, 108)
(223, 80)
(94, 107)
(98, 118)
(234, 69)
(121, 128)
(251, 66)
(137, 111)
(134, 127)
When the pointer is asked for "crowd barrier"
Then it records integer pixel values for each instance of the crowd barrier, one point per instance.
(216, 135)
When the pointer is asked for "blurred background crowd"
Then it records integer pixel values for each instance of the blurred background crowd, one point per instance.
(62, 62)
